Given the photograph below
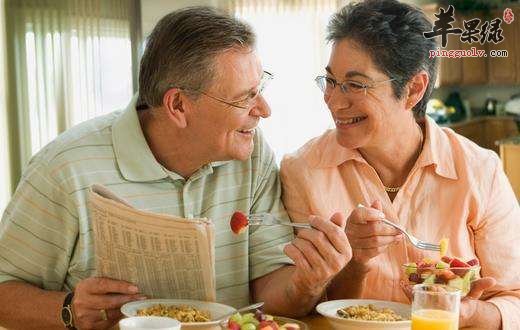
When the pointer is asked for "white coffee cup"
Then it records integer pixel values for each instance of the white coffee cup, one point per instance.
(149, 323)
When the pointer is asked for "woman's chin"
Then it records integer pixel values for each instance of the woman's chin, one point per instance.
(350, 142)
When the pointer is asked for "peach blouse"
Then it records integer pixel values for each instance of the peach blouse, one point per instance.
(456, 190)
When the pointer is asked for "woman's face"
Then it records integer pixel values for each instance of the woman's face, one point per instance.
(362, 119)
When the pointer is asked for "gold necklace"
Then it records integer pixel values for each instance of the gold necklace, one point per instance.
(396, 189)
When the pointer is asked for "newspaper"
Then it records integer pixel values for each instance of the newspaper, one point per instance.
(164, 255)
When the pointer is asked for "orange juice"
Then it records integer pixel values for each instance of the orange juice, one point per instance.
(434, 319)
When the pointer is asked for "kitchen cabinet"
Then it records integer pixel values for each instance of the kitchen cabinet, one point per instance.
(474, 69)
(510, 155)
(503, 70)
(480, 70)
(486, 131)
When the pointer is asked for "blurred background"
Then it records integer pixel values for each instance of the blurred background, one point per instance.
(65, 61)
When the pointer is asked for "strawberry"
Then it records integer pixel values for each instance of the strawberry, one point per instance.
(473, 262)
(238, 222)
(446, 259)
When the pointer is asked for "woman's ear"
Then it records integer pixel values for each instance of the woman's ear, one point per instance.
(416, 89)
(172, 102)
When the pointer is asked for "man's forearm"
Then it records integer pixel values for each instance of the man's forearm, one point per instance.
(280, 295)
(25, 306)
(348, 283)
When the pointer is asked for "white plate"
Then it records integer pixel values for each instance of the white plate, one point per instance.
(215, 310)
(329, 310)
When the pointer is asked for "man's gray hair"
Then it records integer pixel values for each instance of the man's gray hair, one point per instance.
(182, 48)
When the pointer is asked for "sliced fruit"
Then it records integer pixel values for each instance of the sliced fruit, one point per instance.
(457, 263)
(444, 246)
(446, 259)
(430, 279)
(238, 222)
(232, 325)
(410, 268)
(446, 275)
(249, 318)
(248, 326)
(466, 282)
(415, 278)
(457, 283)
(236, 318)
(473, 262)
(442, 265)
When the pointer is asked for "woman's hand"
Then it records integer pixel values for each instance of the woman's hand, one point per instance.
(368, 236)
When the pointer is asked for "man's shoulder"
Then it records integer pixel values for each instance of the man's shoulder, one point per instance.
(86, 138)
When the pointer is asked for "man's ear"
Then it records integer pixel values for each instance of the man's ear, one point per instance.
(416, 88)
(172, 102)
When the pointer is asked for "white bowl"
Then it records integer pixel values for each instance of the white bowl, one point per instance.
(148, 323)
(215, 310)
(329, 310)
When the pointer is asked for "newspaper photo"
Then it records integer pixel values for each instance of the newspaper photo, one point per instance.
(164, 255)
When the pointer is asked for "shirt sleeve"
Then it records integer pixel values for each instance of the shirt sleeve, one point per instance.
(496, 245)
(38, 232)
(266, 243)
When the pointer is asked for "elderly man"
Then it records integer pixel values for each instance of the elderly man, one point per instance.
(190, 148)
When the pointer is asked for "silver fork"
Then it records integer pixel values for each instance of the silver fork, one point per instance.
(267, 219)
(414, 240)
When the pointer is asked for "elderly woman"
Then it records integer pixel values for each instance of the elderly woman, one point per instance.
(385, 154)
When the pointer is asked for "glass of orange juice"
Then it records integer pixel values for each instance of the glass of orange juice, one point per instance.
(435, 307)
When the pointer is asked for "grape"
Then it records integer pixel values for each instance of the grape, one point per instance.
(248, 326)
(236, 318)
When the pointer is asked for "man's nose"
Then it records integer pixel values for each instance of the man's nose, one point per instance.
(260, 108)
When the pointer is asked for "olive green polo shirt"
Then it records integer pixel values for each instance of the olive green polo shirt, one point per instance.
(46, 235)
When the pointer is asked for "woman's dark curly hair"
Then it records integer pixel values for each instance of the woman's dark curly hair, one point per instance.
(392, 33)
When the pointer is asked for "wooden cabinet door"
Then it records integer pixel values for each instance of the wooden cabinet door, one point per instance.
(502, 70)
(474, 69)
(510, 154)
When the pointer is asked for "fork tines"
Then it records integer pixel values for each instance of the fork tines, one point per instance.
(428, 246)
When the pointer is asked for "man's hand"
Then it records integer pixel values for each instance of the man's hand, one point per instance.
(319, 253)
(94, 294)
(368, 236)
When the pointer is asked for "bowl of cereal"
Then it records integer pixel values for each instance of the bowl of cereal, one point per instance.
(365, 314)
(193, 314)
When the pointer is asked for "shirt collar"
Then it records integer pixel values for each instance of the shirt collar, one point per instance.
(327, 152)
(437, 151)
(133, 155)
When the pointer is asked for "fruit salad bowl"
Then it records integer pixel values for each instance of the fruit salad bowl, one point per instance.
(449, 271)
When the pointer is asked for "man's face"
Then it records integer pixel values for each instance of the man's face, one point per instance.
(225, 131)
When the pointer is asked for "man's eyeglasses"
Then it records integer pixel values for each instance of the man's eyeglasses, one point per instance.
(247, 102)
(327, 84)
